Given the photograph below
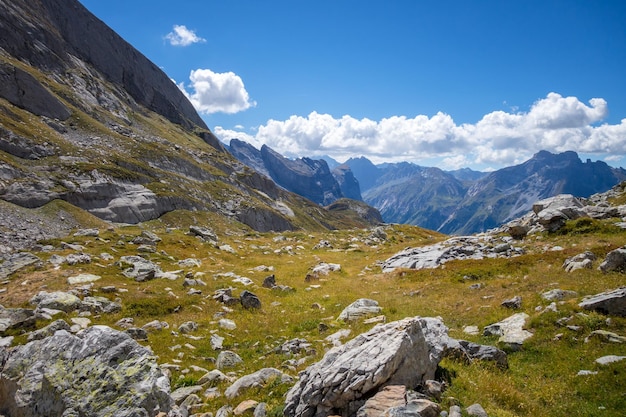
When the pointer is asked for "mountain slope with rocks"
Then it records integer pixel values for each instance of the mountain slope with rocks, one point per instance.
(210, 318)
(87, 119)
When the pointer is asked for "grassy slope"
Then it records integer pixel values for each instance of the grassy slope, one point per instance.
(542, 376)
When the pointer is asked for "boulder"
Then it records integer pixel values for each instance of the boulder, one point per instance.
(99, 305)
(614, 261)
(388, 397)
(16, 262)
(405, 352)
(476, 410)
(204, 233)
(227, 359)
(469, 351)
(558, 294)
(255, 380)
(511, 330)
(513, 303)
(49, 330)
(188, 327)
(140, 269)
(612, 303)
(57, 300)
(580, 261)
(16, 318)
(250, 301)
(97, 372)
(359, 309)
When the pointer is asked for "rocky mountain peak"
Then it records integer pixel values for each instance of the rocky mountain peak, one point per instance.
(62, 37)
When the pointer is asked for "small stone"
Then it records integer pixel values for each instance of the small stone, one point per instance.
(227, 359)
(245, 406)
(83, 278)
(227, 324)
(605, 360)
(513, 303)
(476, 410)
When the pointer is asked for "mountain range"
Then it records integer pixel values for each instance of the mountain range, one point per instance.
(452, 202)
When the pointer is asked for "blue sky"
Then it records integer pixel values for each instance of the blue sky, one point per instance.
(482, 84)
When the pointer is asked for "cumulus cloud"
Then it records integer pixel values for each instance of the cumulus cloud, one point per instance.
(181, 36)
(554, 123)
(212, 92)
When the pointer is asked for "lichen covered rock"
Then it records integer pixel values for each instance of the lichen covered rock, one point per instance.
(97, 372)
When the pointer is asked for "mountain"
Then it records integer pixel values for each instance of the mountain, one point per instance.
(86, 119)
(365, 171)
(466, 174)
(310, 178)
(510, 192)
(407, 193)
(465, 201)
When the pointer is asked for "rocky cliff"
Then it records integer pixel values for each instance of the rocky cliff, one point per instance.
(310, 178)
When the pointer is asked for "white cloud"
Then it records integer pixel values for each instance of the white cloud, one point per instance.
(213, 92)
(554, 123)
(181, 36)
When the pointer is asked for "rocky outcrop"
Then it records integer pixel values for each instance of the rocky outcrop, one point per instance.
(611, 302)
(23, 90)
(54, 377)
(348, 184)
(456, 248)
(398, 353)
(307, 177)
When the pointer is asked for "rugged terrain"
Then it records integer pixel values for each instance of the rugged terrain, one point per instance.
(233, 316)
(146, 271)
(86, 119)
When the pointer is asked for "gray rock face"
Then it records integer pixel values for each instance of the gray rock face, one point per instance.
(59, 378)
(23, 90)
(22, 147)
(612, 303)
(16, 318)
(17, 262)
(614, 261)
(397, 353)
(348, 184)
(360, 308)
(256, 379)
(456, 248)
(60, 39)
(307, 177)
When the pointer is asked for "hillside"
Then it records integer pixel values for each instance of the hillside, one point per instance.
(235, 316)
(87, 119)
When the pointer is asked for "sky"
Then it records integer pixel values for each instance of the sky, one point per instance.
(480, 84)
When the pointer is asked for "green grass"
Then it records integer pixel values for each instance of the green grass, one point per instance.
(541, 379)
